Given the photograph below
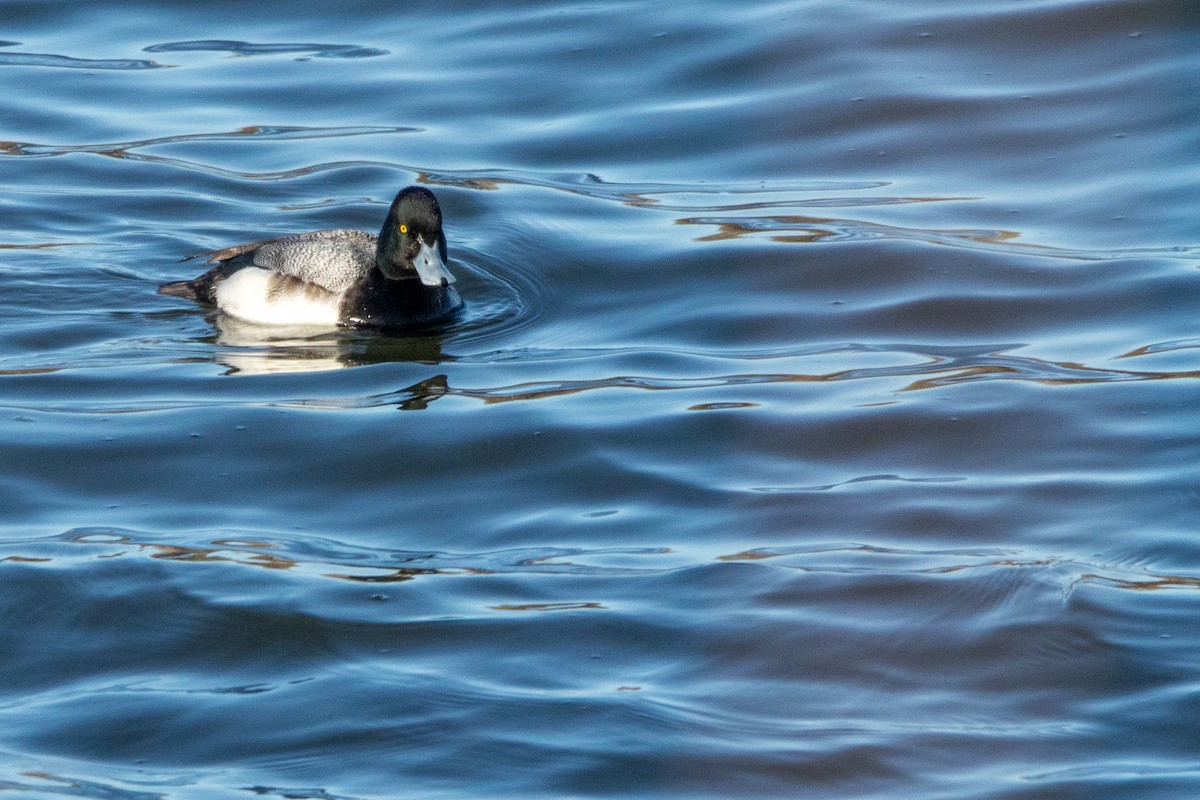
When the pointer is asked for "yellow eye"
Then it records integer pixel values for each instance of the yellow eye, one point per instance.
(403, 228)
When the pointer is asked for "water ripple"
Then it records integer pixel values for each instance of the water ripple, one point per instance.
(125, 149)
(943, 369)
(247, 350)
(12, 59)
(315, 557)
(793, 229)
(44, 784)
(318, 557)
(706, 198)
(874, 559)
(1163, 347)
(648, 194)
(297, 793)
(852, 481)
(263, 49)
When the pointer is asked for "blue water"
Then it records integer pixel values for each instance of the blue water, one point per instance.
(822, 421)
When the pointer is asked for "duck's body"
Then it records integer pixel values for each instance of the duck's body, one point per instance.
(337, 277)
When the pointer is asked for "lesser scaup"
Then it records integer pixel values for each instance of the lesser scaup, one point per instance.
(337, 277)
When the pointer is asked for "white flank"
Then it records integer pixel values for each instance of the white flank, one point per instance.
(244, 295)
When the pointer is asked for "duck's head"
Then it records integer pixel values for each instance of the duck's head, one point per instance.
(411, 244)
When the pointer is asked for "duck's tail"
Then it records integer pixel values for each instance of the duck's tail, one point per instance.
(184, 289)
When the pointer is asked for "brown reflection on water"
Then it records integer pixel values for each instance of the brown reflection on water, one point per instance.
(202, 554)
(394, 576)
(1149, 584)
(221, 552)
(1162, 347)
(736, 230)
(804, 229)
(29, 371)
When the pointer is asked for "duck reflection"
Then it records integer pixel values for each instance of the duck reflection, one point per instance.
(249, 349)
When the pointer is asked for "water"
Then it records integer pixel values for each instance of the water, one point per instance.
(821, 424)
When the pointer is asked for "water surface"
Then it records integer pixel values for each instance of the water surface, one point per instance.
(821, 422)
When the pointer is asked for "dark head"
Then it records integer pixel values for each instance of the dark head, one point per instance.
(411, 243)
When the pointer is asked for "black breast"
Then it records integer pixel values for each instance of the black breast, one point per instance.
(383, 303)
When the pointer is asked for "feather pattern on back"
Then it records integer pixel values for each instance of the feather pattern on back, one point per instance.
(334, 259)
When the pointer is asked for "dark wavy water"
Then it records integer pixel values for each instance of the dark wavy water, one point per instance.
(822, 422)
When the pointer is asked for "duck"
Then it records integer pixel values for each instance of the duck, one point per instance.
(395, 279)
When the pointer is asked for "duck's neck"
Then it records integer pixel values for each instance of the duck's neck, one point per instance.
(384, 302)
